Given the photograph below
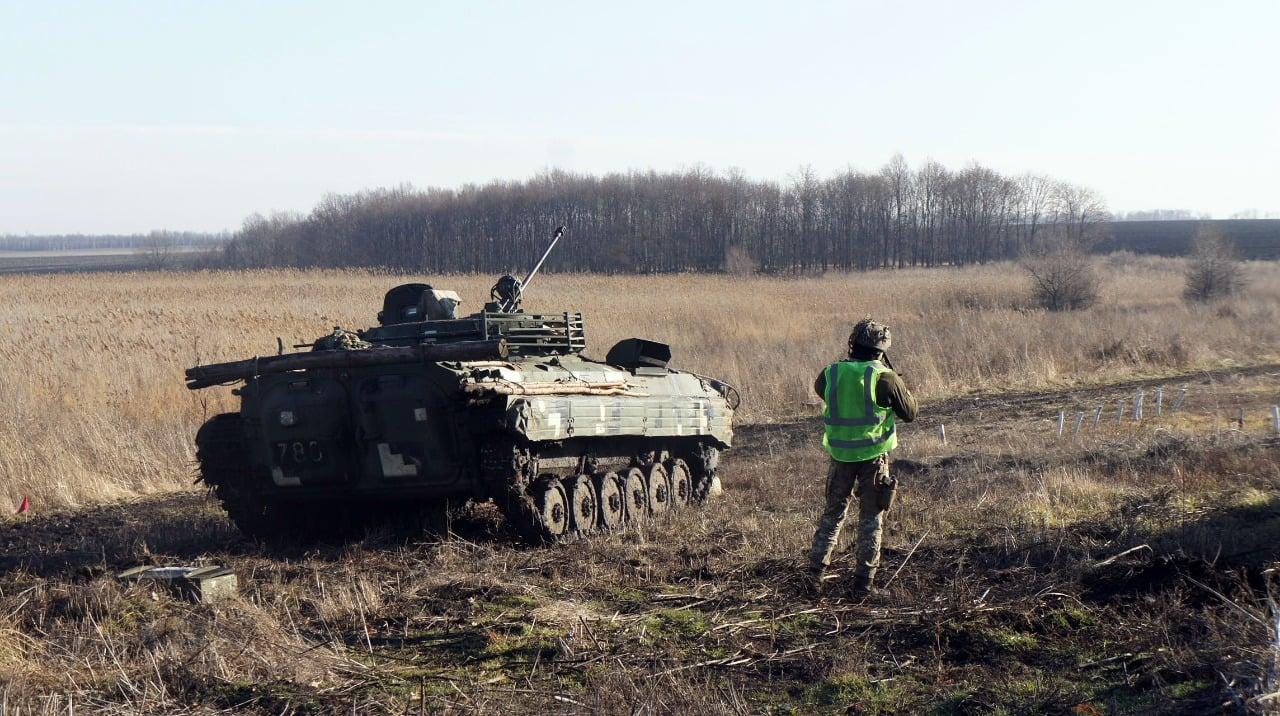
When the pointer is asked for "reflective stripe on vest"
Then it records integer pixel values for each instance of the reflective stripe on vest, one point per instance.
(857, 428)
(866, 442)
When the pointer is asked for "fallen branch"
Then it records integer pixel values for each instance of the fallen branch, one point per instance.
(1111, 659)
(905, 560)
(1225, 599)
(1129, 551)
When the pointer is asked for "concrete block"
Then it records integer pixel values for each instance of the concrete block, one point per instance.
(197, 584)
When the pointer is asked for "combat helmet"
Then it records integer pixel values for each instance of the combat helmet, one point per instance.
(870, 334)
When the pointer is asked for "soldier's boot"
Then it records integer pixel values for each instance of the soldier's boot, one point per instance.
(864, 588)
(815, 577)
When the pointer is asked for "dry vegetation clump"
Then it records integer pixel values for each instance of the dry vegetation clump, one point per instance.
(1214, 271)
(93, 408)
(1063, 280)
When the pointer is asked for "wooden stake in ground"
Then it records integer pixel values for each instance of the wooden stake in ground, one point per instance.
(1137, 406)
(1096, 417)
(1159, 400)
(1177, 404)
(942, 430)
(1062, 419)
(1079, 422)
(1275, 419)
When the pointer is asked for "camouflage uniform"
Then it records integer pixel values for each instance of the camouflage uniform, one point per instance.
(870, 482)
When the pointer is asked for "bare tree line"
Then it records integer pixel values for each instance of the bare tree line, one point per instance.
(82, 242)
(693, 220)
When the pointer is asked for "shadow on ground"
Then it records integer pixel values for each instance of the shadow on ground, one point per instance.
(185, 527)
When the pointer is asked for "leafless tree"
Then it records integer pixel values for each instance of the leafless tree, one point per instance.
(682, 221)
(1036, 195)
(158, 249)
(1080, 213)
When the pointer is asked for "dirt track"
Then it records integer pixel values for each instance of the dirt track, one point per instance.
(991, 409)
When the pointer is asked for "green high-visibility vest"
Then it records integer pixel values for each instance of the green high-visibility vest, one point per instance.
(857, 428)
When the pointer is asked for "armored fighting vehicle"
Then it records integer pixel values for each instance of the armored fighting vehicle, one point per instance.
(429, 408)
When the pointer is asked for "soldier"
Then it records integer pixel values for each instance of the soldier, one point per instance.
(862, 397)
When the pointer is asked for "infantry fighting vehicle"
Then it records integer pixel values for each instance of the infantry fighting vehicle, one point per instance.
(429, 408)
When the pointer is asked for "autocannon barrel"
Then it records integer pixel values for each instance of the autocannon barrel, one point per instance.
(204, 376)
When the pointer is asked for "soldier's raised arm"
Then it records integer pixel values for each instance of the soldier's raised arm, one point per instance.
(892, 392)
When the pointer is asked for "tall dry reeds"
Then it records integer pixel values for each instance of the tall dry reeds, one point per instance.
(93, 407)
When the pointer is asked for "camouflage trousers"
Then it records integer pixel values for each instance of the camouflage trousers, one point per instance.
(870, 482)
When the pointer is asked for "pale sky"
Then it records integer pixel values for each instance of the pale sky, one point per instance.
(130, 116)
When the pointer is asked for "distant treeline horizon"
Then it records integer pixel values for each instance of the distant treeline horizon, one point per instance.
(73, 242)
(693, 220)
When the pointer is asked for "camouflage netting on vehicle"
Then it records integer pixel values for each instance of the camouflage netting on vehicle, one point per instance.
(342, 340)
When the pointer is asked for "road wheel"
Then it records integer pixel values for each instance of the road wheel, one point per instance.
(658, 487)
(612, 507)
(635, 495)
(584, 506)
(553, 508)
(681, 483)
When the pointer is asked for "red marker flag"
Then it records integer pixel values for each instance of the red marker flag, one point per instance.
(25, 506)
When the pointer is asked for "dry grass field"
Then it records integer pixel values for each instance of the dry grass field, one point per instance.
(91, 364)
(1124, 569)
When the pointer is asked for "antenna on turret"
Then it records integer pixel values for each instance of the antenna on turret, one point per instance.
(554, 239)
(512, 294)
